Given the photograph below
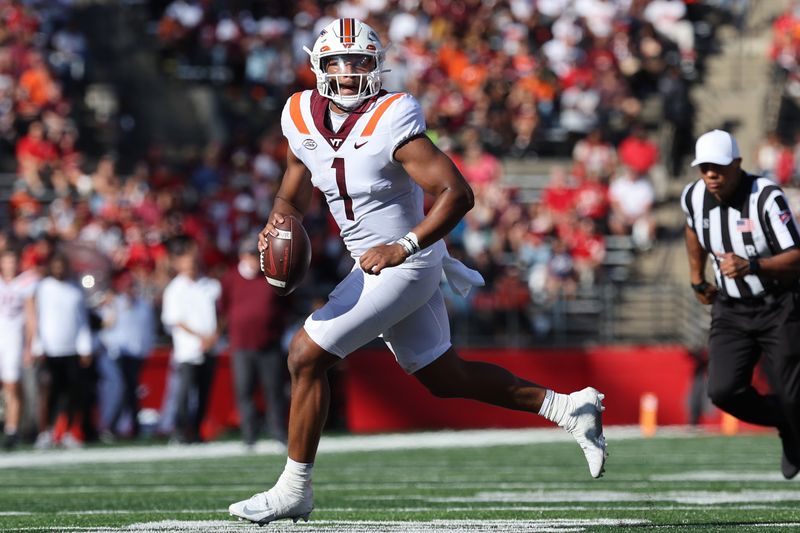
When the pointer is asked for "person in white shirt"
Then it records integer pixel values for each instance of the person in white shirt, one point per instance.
(128, 336)
(62, 349)
(632, 196)
(16, 330)
(189, 314)
(669, 19)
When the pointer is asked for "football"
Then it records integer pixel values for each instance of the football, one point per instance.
(287, 257)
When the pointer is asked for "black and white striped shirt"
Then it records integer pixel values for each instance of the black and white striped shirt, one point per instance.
(756, 222)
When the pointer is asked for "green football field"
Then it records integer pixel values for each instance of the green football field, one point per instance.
(526, 480)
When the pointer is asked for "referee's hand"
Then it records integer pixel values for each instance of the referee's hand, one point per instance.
(708, 295)
(732, 266)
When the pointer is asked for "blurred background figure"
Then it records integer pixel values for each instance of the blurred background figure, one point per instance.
(16, 329)
(63, 350)
(632, 197)
(189, 314)
(254, 316)
(129, 334)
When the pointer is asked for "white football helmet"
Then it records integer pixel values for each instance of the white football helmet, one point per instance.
(341, 38)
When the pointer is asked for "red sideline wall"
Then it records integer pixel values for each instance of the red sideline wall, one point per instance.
(222, 413)
(378, 396)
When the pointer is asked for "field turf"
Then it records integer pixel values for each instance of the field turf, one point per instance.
(502, 481)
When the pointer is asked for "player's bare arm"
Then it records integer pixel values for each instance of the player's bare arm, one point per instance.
(29, 332)
(438, 176)
(293, 197)
(697, 266)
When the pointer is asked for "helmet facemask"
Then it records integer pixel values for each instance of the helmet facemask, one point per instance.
(356, 74)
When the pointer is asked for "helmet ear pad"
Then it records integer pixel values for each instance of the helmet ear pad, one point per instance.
(345, 37)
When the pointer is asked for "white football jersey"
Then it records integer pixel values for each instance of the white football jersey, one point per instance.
(12, 300)
(370, 195)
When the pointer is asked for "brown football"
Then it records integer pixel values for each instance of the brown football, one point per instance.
(287, 257)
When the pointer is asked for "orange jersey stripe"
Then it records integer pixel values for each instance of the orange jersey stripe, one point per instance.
(373, 121)
(297, 114)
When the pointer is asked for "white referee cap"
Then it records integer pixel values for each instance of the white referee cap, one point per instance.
(716, 146)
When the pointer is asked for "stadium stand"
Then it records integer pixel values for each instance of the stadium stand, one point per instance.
(529, 85)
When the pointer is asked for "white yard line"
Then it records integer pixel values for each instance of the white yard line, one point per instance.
(332, 444)
(373, 509)
(499, 526)
(449, 526)
(717, 475)
(334, 526)
(700, 497)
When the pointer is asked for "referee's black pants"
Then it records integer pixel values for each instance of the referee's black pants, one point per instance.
(741, 331)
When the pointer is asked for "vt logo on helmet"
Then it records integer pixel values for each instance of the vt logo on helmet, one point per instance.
(347, 60)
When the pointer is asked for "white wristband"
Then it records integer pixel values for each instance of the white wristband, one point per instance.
(406, 246)
(409, 242)
(412, 237)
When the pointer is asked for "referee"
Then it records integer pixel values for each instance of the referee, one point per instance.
(744, 224)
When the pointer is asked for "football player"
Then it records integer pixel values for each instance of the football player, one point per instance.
(16, 330)
(366, 150)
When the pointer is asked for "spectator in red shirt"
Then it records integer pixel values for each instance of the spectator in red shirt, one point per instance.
(254, 318)
(33, 145)
(637, 152)
(33, 153)
(559, 194)
(479, 167)
(591, 198)
(588, 249)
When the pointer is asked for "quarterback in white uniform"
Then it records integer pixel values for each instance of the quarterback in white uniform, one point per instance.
(367, 152)
(16, 331)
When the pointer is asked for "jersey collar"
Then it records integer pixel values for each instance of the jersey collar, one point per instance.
(319, 109)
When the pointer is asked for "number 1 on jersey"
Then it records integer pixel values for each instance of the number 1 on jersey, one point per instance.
(338, 166)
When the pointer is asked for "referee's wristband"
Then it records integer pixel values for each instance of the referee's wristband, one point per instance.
(409, 242)
(701, 287)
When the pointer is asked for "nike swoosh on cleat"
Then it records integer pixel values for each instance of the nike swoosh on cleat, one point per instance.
(248, 511)
(357, 146)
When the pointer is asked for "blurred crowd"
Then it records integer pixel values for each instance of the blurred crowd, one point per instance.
(497, 80)
(778, 154)
(529, 75)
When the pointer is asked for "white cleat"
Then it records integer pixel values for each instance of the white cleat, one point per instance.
(586, 425)
(275, 504)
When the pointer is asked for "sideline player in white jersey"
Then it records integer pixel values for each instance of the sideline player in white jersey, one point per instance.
(16, 330)
(367, 151)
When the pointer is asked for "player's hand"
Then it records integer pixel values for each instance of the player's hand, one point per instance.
(732, 266)
(269, 228)
(382, 256)
(85, 361)
(208, 342)
(708, 296)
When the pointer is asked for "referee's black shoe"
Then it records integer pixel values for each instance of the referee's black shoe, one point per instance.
(788, 469)
(790, 457)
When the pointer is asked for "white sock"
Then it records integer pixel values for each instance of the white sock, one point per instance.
(296, 476)
(548, 399)
(556, 408)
